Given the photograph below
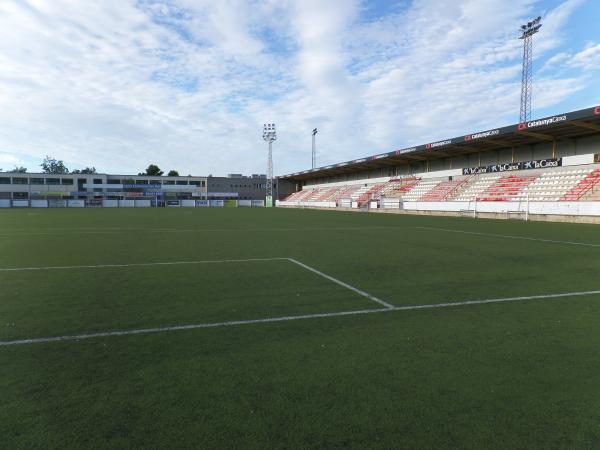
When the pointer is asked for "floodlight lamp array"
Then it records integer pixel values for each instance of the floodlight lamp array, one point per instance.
(269, 132)
(530, 28)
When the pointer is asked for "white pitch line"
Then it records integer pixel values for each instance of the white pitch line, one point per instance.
(496, 300)
(341, 283)
(508, 236)
(168, 263)
(186, 327)
(288, 318)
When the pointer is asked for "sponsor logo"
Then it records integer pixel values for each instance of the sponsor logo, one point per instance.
(541, 122)
(597, 110)
(406, 150)
(525, 165)
(438, 144)
(470, 137)
(380, 156)
(356, 161)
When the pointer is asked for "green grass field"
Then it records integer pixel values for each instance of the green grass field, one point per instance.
(343, 370)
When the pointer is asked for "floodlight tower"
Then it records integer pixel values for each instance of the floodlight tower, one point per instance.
(527, 32)
(314, 149)
(269, 136)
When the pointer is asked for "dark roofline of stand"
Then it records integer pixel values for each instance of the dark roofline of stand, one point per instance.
(579, 123)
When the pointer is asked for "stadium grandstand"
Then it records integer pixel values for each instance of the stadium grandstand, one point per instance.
(544, 169)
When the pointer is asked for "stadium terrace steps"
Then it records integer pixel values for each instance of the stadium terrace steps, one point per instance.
(507, 188)
(368, 195)
(586, 185)
(554, 185)
(421, 188)
(397, 188)
(475, 188)
(444, 190)
(325, 193)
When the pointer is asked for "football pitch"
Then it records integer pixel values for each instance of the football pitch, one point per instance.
(275, 328)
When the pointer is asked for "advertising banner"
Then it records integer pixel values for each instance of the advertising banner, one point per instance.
(258, 203)
(203, 203)
(216, 203)
(53, 203)
(231, 203)
(508, 167)
(269, 201)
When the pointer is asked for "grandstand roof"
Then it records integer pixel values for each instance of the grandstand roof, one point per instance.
(573, 124)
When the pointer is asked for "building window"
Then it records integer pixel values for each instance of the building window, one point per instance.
(141, 181)
(37, 180)
(195, 183)
(20, 195)
(68, 181)
(169, 182)
(52, 180)
(155, 182)
(4, 180)
(113, 182)
(97, 181)
(181, 182)
(19, 181)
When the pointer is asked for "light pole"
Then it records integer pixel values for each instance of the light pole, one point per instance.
(269, 136)
(527, 32)
(314, 149)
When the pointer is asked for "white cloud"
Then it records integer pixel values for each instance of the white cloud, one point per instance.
(188, 83)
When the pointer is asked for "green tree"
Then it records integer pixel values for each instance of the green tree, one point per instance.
(173, 173)
(86, 171)
(153, 170)
(52, 165)
(19, 169)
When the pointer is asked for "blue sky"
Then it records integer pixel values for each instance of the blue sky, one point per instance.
(187, 84)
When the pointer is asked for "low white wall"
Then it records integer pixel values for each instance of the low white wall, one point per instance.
(440, 174)
(126, 203)
(390, 203)
(244, 203)
(4, 203)
(20, 203)
(258, 203)
(578, 160)
(76, 203)
(110, 203)
(306, 204)
(188, 203)
(143, 203)
(550, 208)
(39, 203)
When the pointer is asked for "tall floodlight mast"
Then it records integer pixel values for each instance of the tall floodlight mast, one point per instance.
(269, 136)
(527, 32)
(314, 149)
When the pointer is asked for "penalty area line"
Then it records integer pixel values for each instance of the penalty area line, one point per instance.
(290, 318)
(341, 283)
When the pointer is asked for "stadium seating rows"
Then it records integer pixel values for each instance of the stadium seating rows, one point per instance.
(559, 184)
